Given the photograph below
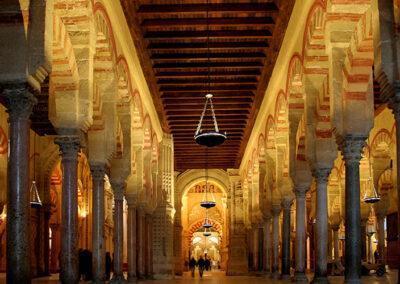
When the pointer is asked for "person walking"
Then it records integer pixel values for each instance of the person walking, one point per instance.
(192, 265)
(201, 263)
(207, 263)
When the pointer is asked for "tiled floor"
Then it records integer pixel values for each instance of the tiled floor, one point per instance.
(218, 277)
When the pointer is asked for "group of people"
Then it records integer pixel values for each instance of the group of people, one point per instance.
(201, 263)
(85, 265)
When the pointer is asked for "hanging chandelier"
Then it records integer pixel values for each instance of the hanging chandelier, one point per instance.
(371, 195)
(211, 137)
(34, 193)
(208, 197)
(207, 232)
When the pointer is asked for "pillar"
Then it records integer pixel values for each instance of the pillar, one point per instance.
(351, 148)
(98, 243)
(321, 226)
(131, 239)
(118, 190)
(140, 258)
(19, 107)
(267, 245)
(300, 246)
(69, 148)
(364, 254)
(148, 246)
(275, 240)
(381, 237)
(335, 229)
(286, 204)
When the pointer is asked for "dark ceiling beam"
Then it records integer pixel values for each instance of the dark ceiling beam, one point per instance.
(217, 108)
(211, 45)
(204, 80)
(151, 35)
(195, 117)
(205, 64)
(184, 22)
(209, 122)
(196, 101)
(183, 113)
(269, 7)
(211, 88)
(203, 55)
(204, 73)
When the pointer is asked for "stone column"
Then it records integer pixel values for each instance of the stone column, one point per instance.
(335, 229)
(301, 235)
(364, 254)
(321, 226)
(275, 240)
(69, 148)
(118, 190)
(19, 107)
(267, 245)
(286, 204)
(131, 239)
(351, 148)
(381, 237)
(98, 245)
(149, 246)
(396, 111)
(140, 258)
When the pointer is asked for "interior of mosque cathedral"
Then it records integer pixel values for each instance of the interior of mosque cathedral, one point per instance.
(112, 157)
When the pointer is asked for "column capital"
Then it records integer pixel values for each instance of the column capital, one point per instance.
(286, 203)
(98, 171)
(118, 187)
(276, 209)
(321, 174)
(69, 146)
(300, 190)
(19, 101)
(131, 199)
(351, 147)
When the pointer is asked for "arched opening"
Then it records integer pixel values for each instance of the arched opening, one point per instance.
(194, 243)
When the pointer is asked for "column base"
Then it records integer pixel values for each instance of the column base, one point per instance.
(320, 280)
(352, 281)
(300, 277)
(284, 276)
(118, 279)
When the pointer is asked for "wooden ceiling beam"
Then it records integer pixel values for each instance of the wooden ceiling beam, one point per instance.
(171, 34)
(269, 7)
(205, 64)
(185, 22)
(183, 113)
(204, 80)
(217, 108)
(199, 100)
(204, 73)
(211, 45)
(197, 117)
(218, 94)
(211, 88)
(203, 55)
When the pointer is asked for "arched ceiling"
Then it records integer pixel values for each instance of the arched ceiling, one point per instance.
(171, 38)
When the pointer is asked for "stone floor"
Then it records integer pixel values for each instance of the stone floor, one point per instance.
(218, 277)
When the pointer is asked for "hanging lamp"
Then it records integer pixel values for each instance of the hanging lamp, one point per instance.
(34, 193)
(209, 138)
(207, 224)
(208, 197)
(207, 232)
(371, 195)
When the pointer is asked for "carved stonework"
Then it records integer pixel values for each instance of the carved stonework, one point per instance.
(321, 175)
(69, 146)
(351, 147)
(98, 171)
(118, 190)
(19, 101)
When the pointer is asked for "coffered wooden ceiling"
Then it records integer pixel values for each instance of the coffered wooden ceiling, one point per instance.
(244, 41)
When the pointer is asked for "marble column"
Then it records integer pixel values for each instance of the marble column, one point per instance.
(69, 148)
(381, 237)
(19, 107)
(335, 229)
(286, 204)
(351, 148)
(132, 240)
(148, 246)
(321, 226)
(301, 235)
(140, 258)
(98, 211)
(267, 245)
(395, 105)
(118, 190)
(364, 254)
(275, 240)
